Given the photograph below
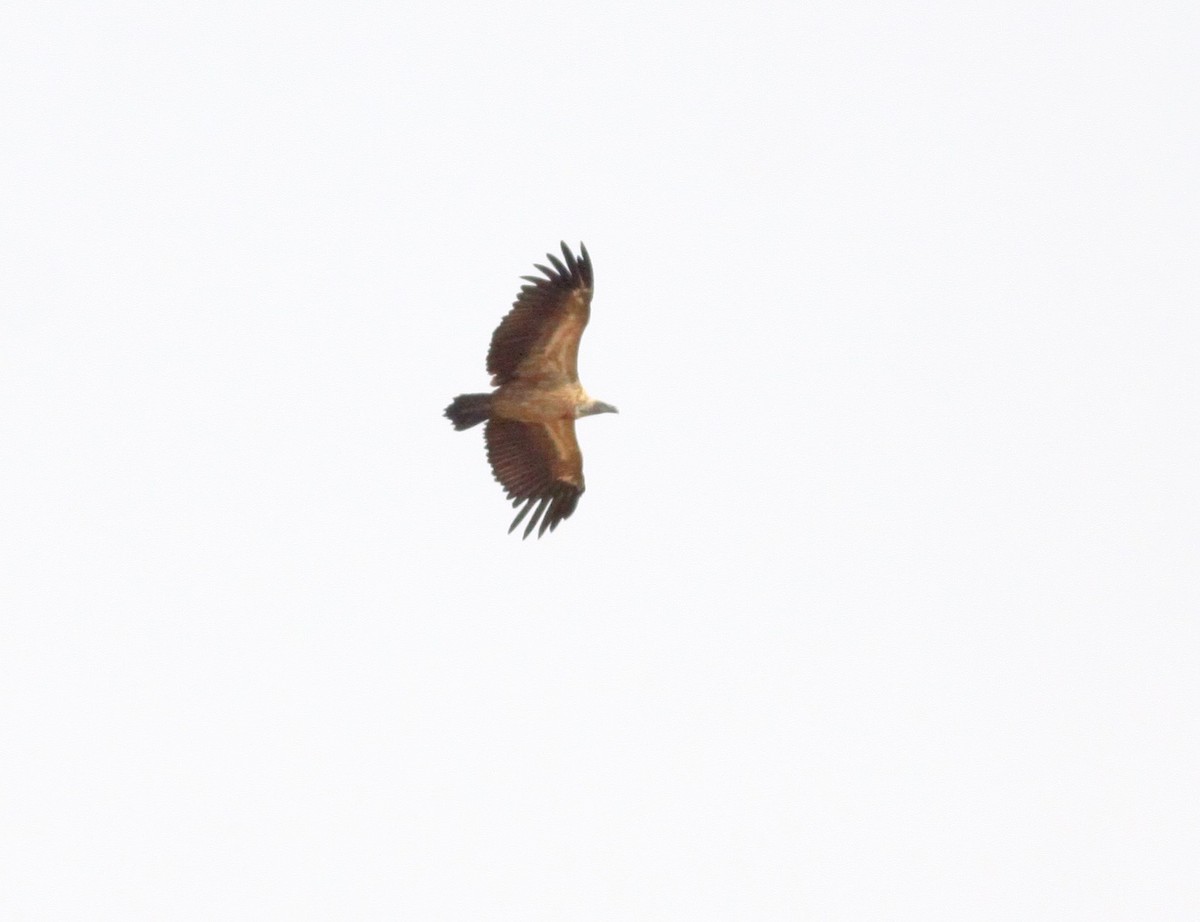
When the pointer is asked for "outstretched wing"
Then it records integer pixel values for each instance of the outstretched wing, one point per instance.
(540, 466)
(538, 340)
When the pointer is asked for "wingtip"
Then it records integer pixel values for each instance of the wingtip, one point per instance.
(521, 515)
(585, 265)
(571, 268)
(537, 516)
(563, 272)
(572, 262)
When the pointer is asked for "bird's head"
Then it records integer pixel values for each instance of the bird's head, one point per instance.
(592, 407)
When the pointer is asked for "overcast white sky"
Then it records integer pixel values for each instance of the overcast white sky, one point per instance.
(883, 599)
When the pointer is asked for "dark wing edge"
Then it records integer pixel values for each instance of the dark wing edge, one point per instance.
(539, 303)
(535, 475)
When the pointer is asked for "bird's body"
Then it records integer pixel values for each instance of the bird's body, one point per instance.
(530, 404)
(531, 415)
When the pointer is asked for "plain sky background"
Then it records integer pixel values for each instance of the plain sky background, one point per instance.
(883, 599)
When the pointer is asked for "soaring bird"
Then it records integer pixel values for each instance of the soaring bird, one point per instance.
(530, 432)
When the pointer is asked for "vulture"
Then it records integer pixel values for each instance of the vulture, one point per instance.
(530, 416)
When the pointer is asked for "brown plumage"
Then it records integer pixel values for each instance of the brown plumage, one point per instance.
(531, 415)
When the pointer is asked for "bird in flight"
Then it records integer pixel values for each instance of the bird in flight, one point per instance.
(530, 431)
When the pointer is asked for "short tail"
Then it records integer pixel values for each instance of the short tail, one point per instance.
(469, 410)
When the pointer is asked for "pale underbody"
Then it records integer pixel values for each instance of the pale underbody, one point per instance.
(530, 404)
